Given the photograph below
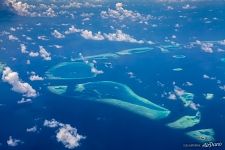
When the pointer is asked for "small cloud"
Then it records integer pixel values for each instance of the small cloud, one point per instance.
(13, 38)
(43, 38)
(23, 100)
(58, 35)
(205, 46)
(89, 35)
(23, 48)
(49, 12)
(51, 123)
(66, 134)
(33, 54)
(172, 96)
(32, 129)
(13, 142)
(35, 77)
(69, 136)
(44, 54)
(122, 37)
(72, 29)
(209, 96)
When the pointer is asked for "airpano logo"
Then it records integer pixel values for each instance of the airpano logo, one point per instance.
(212, 144)
(205, 145)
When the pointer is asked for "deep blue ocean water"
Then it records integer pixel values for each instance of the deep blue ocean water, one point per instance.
(107, 127)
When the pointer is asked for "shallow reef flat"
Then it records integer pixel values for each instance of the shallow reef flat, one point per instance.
(179, 56)
(117, 54)
(120, 95)
(187, 98)
(70, 70)
(203, 135)
(134, 51)
(59, 90)
(186, 122)
(115, 94)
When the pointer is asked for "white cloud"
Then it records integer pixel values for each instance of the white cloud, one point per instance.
(23, 100)
(52, 123)
(95, 70)
(120, 36)
(35, 77)
(92, 65)
(188, 6)
(28, 62)
(69, 136)
(121, 13)
(33, 54)
(12, 38)
(222, 42)
(89, 35)
(19, 7)
(57, 34)
(205, 46)
(44, 54)
(17, 84)
(72, 29)
(23, 48)
(205, 76)
(42, 37)
(58, 46)
(13, 142)
(49, 12)
(209, 96)
(172, 96)
(66, 134)
(32, 129)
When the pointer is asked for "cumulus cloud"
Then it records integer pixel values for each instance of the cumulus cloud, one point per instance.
(32, 129)
(18, 85)
(222, 42)
(13, 142)
(44, 54)
(118, 36)
(121, 13)
(72, 29)
(23, 48)
(205, 46)
(69, 136)
(33, 54)
(12, 38)
(89, 35)
(35, 77)
(19, 7)
(42, 37)
(122, 37)
(52, 123)
(26, 9)
(23, 100)
(57, 34)
(49, 12)
(66, 134)
(172, 96)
